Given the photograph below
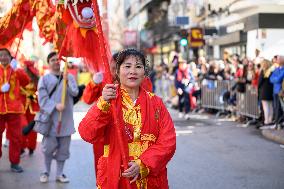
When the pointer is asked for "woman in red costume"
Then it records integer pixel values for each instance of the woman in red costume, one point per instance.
(94, 89)
(148, 131)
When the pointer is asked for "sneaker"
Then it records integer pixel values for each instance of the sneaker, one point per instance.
(62, 179)
(187, 117)
(180, 115)
(44, 177)
(6, 143)
(16, 168)
(267, 127)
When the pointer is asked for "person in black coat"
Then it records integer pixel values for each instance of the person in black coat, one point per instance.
(265, 89)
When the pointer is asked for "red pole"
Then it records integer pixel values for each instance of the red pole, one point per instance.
(109, 80)
(18, 46)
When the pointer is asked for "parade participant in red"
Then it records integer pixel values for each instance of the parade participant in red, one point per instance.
(147, 130)
(94, 90)
(11, 106)
(30, 102)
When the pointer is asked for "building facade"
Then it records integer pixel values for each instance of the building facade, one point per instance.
(244, 26)
(116, 24)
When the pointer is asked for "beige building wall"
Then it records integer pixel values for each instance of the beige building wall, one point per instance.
(116, 20)
(239, 9)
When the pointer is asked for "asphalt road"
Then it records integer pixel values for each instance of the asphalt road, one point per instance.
(211, 154)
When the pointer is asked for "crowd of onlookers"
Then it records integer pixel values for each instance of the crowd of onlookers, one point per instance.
(180, 85)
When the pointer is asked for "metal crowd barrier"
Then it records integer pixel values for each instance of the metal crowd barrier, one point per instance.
(247, 102)
(212, 93)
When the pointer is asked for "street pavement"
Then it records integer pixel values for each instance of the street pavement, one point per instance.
(211, 154)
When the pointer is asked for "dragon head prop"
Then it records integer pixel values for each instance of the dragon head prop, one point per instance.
(81, 38)
(81, 12)
(70, 25)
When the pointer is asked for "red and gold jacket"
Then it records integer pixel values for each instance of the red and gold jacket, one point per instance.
(29, 98)
(10, 102)
(149, 137)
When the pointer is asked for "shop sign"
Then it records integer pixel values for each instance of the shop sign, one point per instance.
(235, 27)
(182, 20)
(196, 39)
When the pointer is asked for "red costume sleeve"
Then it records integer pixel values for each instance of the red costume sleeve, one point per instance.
(23, 77)
(93, 125)
(92, 130)
(92, 92)
(159, 154)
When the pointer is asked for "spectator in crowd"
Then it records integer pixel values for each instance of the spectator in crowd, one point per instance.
(162, 83)
(182, 80)
(237, 66)
(257, 73)
(276, 79)
(203, 72)
(257, 59)
(252, 74)
(220, 70)
(211, 74)
(194, 70)
(241, 78)
(201, 61)
(226, 57)
(265, 89)
(245, 61)
(274, 61)
(227, 72)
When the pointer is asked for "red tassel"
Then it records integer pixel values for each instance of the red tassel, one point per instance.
(87, 47)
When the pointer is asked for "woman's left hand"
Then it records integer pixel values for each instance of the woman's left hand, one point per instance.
(132, 172)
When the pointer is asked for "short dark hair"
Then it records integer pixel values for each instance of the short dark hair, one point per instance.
(127, 53)
(6, 50)
(50, 55)
(114, 56)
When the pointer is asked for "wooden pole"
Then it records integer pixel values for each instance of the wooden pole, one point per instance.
(63, 96)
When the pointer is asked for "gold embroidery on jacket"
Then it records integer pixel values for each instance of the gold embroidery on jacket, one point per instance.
(12, 87)
(149, 137)
(132, 114)
(146, 138)
(103, 105)
(150, 94)
(28, 91)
